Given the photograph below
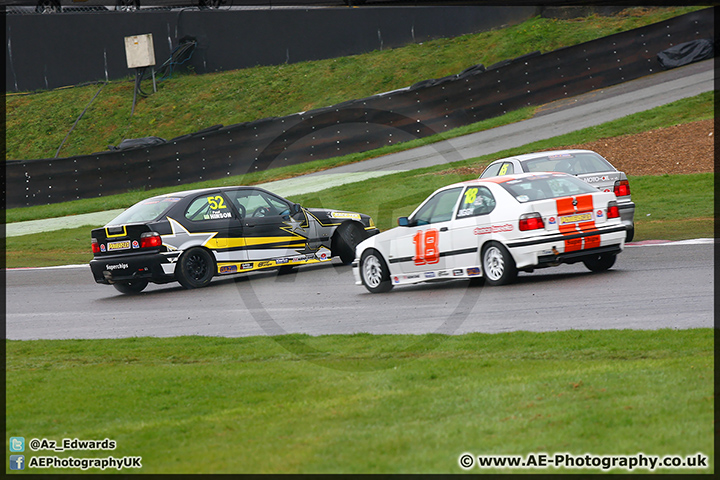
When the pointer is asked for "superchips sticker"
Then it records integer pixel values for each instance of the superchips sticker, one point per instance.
(579, 217)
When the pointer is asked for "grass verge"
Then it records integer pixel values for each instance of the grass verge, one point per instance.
(61, 247)
(127, 199)
(687, 110)
(668, 207)
(663, 199)
(367, 403)
(37, 124)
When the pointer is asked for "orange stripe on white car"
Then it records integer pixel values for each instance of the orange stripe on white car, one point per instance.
(584, 204)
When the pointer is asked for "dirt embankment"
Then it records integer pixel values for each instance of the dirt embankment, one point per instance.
(686, 148)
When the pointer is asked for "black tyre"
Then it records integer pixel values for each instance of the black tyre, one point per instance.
(630, 234)
(600, 263)
(287, 269)
(345, 239)
(195, 268)
(132, 287)
(477, 281)
(374, 272)
(498, 265)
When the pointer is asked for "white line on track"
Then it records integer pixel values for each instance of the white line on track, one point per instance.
(656, 243)
(645, 243)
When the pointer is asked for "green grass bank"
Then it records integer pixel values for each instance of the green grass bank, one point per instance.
(670, 207)
(37, 124)
(367, 403)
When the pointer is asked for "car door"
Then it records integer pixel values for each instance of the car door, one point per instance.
(267, 226)
(424, 245)
(471, 226)
(211, 214)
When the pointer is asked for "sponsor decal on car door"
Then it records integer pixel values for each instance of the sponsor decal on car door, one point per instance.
(266, 226)
(426, 245)
(473, 225)
(424, 248)
(212, 213)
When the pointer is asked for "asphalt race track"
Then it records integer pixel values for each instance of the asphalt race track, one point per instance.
(650, 287)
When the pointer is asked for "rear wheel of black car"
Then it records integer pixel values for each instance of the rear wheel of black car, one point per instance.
(346, 238)
(600, 263)
(498, 265)
(195, 268)
(287, 269)
(132, 287)
(374, 272)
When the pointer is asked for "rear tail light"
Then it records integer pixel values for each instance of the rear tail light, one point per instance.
(150, 240)
(531, 221)
(622, 188)
(613, 210)
(95, 246)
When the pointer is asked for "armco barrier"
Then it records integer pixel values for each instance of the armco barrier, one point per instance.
(358, 125)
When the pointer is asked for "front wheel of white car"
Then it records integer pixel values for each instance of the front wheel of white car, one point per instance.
(374, 272)
(498, 265)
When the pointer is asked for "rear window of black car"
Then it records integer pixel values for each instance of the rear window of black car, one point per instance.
(572, 163)
(541, 187)
(148, 210)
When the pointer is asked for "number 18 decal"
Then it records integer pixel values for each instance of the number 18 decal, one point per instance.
(427, 251)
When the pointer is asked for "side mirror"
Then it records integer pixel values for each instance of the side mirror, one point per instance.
(295, 208)
(403, 222)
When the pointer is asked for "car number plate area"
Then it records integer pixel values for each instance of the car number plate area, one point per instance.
(578, 217)
(123, 245)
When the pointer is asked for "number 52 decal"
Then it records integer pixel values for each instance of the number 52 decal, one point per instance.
(217, 202)
(427, 251)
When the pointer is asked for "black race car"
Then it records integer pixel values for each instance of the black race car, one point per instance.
(192, 236)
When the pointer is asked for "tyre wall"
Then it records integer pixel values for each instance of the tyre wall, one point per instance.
(426, 108)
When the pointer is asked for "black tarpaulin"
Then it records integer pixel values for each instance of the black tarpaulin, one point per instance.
(137, 142)
(688, 52)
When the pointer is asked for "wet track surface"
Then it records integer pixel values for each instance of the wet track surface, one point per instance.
(650, 287)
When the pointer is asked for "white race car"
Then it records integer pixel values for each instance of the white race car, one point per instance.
(587, 165)
(493, 228)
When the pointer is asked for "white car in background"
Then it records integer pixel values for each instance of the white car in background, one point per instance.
(493, 228)
(587, 165)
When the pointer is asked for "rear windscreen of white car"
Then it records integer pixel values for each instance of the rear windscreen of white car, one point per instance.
(146, 211)
(572, 163)
(542, 187)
